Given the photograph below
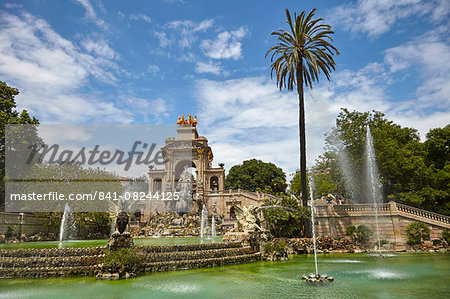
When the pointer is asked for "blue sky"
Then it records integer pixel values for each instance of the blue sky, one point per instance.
(93, 61)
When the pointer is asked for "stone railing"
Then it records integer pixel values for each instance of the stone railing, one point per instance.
(422, 213)
(361, 208)
(391, 208)
(256, 196)
(16, 218)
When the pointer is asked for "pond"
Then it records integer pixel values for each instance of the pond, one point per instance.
(356, 276)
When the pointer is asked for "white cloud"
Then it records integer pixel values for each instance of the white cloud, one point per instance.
(175, 1)
(49, 69)
(140, 17)
(429, 57)
(156, 108)
(163, 39)
(377, 17)
(208, 67)
(153, 69)
(99, 47)
(227, 45)
(182, 33)
(11, 5)
(249, 117)
(90, 13)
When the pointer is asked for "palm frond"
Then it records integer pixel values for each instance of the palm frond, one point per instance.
(306, 47)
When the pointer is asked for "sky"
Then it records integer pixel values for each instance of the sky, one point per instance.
(147, 62)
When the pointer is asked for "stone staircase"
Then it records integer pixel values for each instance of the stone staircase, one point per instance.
(422, 215)
(88, 261)
(385, 209)
(393, 219)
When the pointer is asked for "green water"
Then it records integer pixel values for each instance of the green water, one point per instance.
(103, 242)
(357, 276)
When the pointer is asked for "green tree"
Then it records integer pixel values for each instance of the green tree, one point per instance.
(296, 184)
(438, 147)
(406, 172)
(255, 175)
(9, 115)
(417, 232)
(285, 217)
(300, 56)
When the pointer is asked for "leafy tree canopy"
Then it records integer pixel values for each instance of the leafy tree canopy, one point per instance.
(9, 115)
(286, 217)
(253, 175)
(411, 172)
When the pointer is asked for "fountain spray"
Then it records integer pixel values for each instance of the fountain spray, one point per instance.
(315, 278)
(66, 227)
(312, 220)
(372, 174)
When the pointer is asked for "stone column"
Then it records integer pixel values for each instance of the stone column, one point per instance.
(398, 236)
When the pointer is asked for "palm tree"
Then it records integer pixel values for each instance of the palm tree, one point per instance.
(301, 55)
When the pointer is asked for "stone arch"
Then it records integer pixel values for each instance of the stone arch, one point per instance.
(232, 213)
(181, 165)
(214, 183)
(157, 185)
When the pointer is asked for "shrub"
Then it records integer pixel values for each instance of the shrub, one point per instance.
(350, 230)
(437, 242)
(446, 235)
(123, 256)
(383, 242)
(288, 219)
(360, 234)
(276, 247)
(9, 232)
(417, 232)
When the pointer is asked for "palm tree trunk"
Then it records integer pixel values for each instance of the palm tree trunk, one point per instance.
(301, 125)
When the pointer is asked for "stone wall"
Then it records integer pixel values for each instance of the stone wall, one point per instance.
(31, 224)
(333, 220)
(89, 261)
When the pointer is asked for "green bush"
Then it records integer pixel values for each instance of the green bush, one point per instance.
(9, 232)
(350, 230)
(446, 235)
(360, 234)
(417, 232)
(276, 247)
(383, 242)
(288, 219)
(123, 256)
(437, 242)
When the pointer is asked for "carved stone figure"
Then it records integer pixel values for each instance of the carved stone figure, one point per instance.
(248, 220)
(184, 204)
(122, 222)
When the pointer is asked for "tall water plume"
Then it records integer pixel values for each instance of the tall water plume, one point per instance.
(373, 180)
(67, 227)
(313, 210)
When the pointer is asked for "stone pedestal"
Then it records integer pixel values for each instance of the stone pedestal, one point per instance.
(119, 240)
(247, 239)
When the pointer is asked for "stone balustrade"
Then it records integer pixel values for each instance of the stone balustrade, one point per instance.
(391, 208)
(393, 218)
(422, 213)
